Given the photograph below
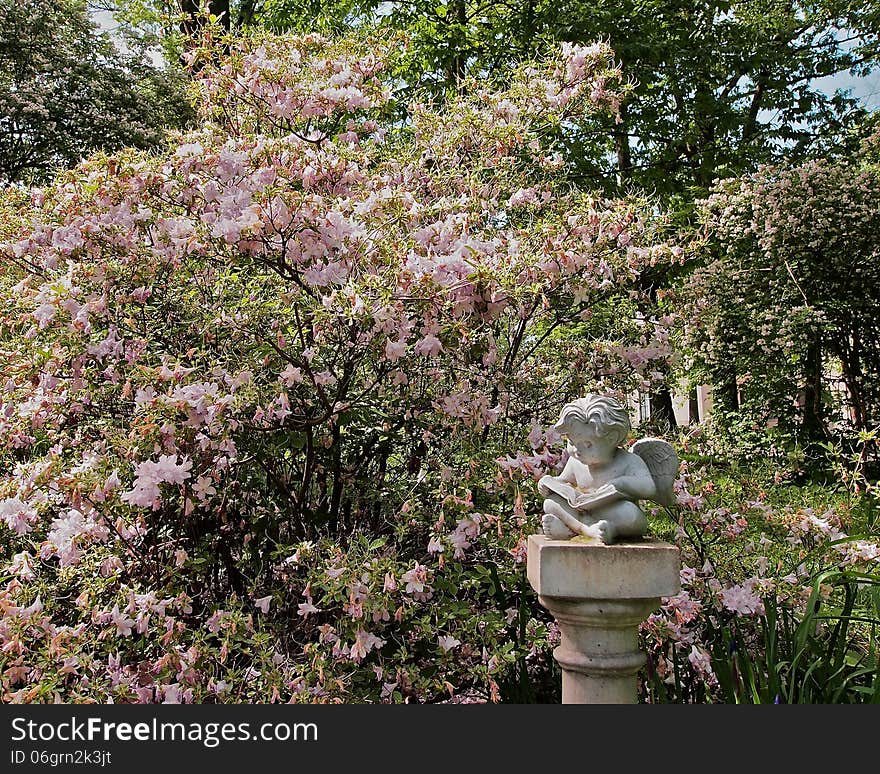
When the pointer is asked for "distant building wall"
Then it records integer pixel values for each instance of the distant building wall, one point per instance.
(689, 407)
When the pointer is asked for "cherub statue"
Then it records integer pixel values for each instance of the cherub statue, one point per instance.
(597, 493)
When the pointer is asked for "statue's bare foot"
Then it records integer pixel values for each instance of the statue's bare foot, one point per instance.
(554, 528)
(602, 530)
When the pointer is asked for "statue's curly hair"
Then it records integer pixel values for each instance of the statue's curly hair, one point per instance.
(607, 415)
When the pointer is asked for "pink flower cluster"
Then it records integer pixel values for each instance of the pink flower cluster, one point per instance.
(148, 475)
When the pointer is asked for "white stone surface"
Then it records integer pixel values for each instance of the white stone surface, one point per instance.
(599, 594)
(597, 493)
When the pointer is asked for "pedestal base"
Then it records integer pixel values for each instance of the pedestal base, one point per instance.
(599, 595)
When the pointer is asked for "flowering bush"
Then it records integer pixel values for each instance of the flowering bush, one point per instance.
(790, 293)
(267, 399)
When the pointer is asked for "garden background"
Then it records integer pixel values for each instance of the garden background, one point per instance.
(293, 293)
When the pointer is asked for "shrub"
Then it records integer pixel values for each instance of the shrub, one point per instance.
(789, 295)
(256, 389)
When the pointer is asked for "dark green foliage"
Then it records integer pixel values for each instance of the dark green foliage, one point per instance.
(65, 91)
(718, 85)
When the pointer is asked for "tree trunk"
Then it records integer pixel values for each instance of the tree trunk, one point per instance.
(194, 21)
(694, 417)
(813, 424)
(247, 10)
(457, 14)
(726, 392)
(622, 146)
(750, 126)
(527, 29)
(660, 401)
(852, 375)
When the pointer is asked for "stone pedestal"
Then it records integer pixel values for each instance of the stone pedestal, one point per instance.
(599, 595)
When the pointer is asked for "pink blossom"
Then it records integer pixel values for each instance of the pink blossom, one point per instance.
(684, 607)
(447, 642)
(415, 579)
(144, 396)
(522, 197)
(307, 608)
(363, 644)
(44, 314)
(742, 600)
(700, 661)
(189, 149)
(263, 603)
(22, 565)
(394, 350)
(535, 437)
(290, 375)
(216, 621)
(69, 666)
(17, 515)
(67, 533)
(67, 238)
(204, 488)
(429, 345)
(121, 621)
(856, 551)
(35, 608)
(172, 694)
(148, 475)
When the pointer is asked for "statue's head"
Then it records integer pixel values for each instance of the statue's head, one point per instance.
(595, 425)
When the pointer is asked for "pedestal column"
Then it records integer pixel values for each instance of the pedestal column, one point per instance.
(599, 595)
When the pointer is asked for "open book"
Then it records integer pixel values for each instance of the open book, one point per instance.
(577, 498)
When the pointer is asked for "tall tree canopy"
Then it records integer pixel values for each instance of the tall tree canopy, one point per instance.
(66, 90)
(718, 85)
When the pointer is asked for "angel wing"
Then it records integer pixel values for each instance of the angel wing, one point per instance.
(662, 461)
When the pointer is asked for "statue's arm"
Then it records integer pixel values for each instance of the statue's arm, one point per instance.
(567, 474)
(636, 483)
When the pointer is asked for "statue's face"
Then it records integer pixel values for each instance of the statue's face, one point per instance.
(592, 449)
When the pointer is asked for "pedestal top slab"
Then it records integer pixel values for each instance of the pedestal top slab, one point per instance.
(638, 570)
